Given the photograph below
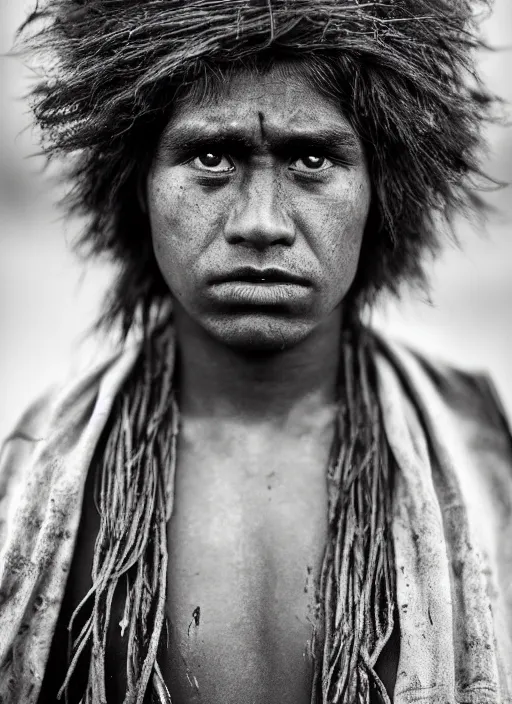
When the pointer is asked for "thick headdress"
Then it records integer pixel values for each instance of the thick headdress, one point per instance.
(403, 72)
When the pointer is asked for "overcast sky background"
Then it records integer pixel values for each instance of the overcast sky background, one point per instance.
(48, 298)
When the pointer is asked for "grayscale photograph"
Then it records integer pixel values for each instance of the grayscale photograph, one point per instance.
(255, 351)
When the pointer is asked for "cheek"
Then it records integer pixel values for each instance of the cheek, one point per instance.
(181, 226)
(352, 221)
(341, 220)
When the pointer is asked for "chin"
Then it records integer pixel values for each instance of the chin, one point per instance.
(260, 335)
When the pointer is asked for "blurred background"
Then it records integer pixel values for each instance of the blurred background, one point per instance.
(49, 299)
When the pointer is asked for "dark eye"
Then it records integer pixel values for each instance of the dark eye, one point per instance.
(311, 163)
(213, 161)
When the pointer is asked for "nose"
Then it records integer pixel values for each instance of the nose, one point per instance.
(258, 218)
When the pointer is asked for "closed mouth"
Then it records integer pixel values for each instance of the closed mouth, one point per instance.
(270, 275)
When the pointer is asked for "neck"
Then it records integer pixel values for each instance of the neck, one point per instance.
(220, 382)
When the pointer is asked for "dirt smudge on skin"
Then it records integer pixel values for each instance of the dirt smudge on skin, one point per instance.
(196, 618)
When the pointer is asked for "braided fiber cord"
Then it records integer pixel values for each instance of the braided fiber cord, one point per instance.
(134, 493)
(357, 584)
(134, 497)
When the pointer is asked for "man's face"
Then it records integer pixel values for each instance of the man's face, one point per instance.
(257, 203)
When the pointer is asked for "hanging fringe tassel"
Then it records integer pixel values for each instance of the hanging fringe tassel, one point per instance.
(357, 585)
(134, 498)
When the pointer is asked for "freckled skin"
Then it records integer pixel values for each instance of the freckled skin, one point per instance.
(264, 213)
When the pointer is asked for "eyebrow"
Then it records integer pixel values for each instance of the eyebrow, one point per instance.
(190, 138)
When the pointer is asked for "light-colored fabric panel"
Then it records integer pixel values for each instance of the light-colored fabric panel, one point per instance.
(456, 425)
(15, 453)
(423, 581)
(42, 529)
(490, 443)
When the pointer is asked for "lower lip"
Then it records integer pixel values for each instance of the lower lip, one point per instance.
(255, 293)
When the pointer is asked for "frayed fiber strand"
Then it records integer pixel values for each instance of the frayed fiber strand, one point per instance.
(134, 498)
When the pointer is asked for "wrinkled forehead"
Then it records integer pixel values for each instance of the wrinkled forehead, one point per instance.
(281, 100)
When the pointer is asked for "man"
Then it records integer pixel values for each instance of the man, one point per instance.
(261, 499)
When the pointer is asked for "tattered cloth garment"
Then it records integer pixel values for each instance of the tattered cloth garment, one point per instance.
(451, 527)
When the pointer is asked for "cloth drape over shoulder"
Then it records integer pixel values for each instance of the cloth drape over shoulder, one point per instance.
(452, 525)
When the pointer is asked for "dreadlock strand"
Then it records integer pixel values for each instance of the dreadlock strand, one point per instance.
(133, 498)
(147, 668)
(356, 589)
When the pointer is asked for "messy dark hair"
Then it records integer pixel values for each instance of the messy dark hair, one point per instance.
(402, 71)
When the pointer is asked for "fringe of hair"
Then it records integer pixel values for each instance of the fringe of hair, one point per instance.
(356, 592)
(402, 71)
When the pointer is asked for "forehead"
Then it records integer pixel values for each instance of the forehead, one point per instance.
(281, 100)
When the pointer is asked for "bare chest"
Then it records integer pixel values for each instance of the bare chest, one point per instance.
(246, 544)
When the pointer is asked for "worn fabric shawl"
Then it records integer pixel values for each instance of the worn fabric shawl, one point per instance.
(452, 526)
